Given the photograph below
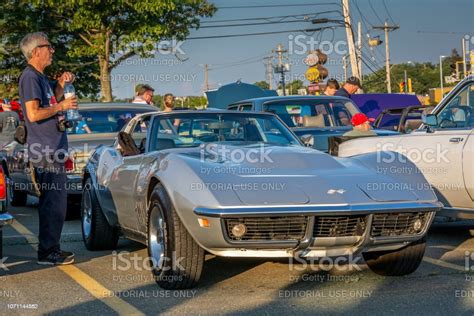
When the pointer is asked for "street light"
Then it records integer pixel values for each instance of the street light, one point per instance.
(441, 73)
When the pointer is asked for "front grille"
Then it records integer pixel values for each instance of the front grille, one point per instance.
(268, 228)
(339, 226)
(398, 224)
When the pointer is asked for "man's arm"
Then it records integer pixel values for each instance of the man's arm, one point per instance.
(35, 113)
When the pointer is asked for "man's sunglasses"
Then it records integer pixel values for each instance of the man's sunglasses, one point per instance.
(45, 45)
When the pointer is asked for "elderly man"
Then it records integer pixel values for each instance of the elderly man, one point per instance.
(350, 87)
(46, 142)
(144, 94)
(361, 126)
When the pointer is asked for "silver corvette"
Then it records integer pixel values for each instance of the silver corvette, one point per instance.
(241, 184)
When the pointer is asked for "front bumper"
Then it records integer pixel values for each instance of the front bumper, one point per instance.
(314, 231)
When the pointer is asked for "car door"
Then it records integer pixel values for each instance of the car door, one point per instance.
(441, 152)
(468, 166)
(122, 174)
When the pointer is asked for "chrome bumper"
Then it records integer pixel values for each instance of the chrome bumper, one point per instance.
(310, 244)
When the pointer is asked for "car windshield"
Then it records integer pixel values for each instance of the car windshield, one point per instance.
(103, 120)
(313, 113)
(191, 130)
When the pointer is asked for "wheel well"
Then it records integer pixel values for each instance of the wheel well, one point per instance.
(153, 182)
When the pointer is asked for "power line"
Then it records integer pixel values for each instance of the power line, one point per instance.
(388, 12)
(255, 34)
(375, 12)
(250, 24)
(268, 18)
(279, 5)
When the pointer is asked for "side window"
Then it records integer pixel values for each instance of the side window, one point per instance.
(246, 107)
(458, 113)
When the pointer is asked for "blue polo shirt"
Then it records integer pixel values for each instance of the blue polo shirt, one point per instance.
(43, 137)
(342, 93)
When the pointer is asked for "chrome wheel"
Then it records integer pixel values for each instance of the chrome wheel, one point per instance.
(86, 213)
(156, 238)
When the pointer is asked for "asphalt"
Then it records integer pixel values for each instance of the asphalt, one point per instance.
(120, 282)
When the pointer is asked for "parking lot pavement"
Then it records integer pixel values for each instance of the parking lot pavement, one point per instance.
(120, 282)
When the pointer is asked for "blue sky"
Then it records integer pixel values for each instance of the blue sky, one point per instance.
(428, 29)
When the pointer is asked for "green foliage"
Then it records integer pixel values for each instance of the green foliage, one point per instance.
(92, 37)
(262, 84)
(424, 76)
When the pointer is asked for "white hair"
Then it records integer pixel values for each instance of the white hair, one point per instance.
(30, 42)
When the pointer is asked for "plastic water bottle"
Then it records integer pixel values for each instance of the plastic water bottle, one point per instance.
(69, 92)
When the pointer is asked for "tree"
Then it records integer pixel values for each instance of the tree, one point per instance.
(424, 76)
(18, 18)
(106, 33)
(262, 84)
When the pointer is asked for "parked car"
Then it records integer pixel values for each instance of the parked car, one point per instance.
(402, 120)
(442, 149)
(241, 184)
(319, 116)
(99, 125)
(372, 104)
(5, 218)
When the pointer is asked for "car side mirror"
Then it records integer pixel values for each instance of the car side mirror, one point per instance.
(429, 119)
(308, 140)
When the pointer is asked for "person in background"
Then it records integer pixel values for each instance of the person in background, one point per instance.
(350, 87)
(168, 102)
(9, 121)
(143, 94)
(361, 126)
(331, 87)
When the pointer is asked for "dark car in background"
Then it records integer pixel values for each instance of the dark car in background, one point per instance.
(320, 116)
(99, 125)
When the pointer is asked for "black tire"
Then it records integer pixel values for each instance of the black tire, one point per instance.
(74, 208)
(16, 197)
(398, 262)
(184, 258)
(102, 236)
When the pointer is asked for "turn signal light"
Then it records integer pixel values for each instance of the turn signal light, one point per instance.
(203, 222)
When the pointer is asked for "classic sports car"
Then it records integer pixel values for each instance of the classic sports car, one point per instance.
(99, 125)
(241, 184)
(320, 116)
(442, 148)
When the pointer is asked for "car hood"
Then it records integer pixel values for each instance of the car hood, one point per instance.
(294, 176)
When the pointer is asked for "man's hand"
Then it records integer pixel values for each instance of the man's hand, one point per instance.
(68, 104)
(66, 77)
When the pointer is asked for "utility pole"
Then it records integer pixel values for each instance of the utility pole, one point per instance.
(344, 66)
(206, 77)
(269, 71)
(280, 67)
(350, 39)
(387, 28)
(405, 87)
(359, 48)
(464, 68)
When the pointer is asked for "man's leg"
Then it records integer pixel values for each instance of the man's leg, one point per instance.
(52, 211)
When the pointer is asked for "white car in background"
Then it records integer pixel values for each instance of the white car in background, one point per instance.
(442, 148)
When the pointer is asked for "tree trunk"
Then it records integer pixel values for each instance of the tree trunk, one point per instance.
(105, 86)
